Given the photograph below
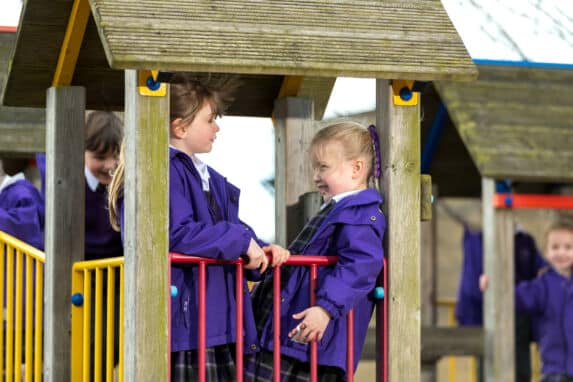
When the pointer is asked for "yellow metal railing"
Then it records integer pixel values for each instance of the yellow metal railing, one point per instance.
(21, 294)
(92, 359)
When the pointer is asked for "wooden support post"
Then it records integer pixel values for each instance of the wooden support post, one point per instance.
(498, 309)
(64, 225)
(294, 129)
(399, 131)
(429, 260)
(146, 349)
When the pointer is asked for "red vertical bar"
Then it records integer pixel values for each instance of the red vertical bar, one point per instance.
(239, 343)
(385, 323)
(277, 324)
(313, 345)
(202, 343)
(350, 346)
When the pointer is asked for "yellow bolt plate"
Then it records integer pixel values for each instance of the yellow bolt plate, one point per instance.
(399, 84)
(143, 75)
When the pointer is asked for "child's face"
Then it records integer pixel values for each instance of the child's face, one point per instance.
(101, 165)
(333, 173)
(201, 132)
(559, 251)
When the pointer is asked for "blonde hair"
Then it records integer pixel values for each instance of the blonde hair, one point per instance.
(355, 140)
(188, 93)
(562, 224)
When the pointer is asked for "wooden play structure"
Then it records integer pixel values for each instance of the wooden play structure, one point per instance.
(99, 55)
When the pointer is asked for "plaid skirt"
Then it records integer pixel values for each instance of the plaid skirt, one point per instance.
(219, 364)
(259, 368)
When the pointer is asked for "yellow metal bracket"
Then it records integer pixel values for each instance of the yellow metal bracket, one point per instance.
(148, 85)
(290, 87)
(402, 92)
(72, 43)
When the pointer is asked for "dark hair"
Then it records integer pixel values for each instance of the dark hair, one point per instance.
(188, 93)
(12, 166)
(104, 132)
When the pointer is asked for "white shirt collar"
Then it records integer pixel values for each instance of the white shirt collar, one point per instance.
(91, 179)
(8, 180)
(337, 198)
(201, 167)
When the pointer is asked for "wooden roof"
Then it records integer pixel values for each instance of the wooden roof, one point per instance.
(262, 41)
(22, 130)
(516, 121)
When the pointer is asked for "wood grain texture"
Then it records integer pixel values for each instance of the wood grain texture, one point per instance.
(498, 307)
(65, 221)
(516, 122)
(391, 39)
(146, 235)
(399, 131)
(22, 130)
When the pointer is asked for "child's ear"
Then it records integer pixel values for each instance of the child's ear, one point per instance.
(178, 128)
(358, 167)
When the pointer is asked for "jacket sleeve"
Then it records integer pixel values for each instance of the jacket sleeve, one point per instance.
(360, 257)
(23, 221)
(187, 235)
(530, 296)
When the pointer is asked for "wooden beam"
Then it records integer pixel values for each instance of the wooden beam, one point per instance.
(399, 131)
(498, 307)
(65, 217)
(73, 38)
(316, 88)
(438, 342)
(294, 129)
(146, 347)
(22, 130)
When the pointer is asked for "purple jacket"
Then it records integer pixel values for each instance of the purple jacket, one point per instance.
(192, 231)
(353, 231)
(550, 298)
(22, 213)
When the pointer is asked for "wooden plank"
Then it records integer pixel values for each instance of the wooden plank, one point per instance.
(399, 131)
(64, 226)
(428, 282)
(438, 342)
(146, 235)
(22, 130)
(311, 38)
(498, 307)
(294, 129)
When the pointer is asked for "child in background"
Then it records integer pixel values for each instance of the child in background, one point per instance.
(104, 133)
(549, 299)
(21, 205)
(203, 221)
(350, 225)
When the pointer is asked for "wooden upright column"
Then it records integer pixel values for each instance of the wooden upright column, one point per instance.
(146, 248)
(498, 308)
(399, 132)
(65, 221)
(294, 129)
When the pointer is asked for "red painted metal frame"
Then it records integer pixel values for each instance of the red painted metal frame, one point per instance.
(302, 260)
(507, 200)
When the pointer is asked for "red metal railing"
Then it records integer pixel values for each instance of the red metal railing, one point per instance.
(506, 200)
(311, 261)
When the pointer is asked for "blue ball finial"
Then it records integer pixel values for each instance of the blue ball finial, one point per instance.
(508, 201)
(152, 84)
(78, 299)
(379, 293)
(174, 291)
(405, 93)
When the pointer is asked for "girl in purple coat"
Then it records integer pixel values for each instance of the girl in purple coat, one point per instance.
(549, 299)
(349, 225)
(203, 221)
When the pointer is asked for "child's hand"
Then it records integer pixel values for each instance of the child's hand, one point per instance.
(483, 282)
(257, 257)
(279, 254)
(314, 322)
